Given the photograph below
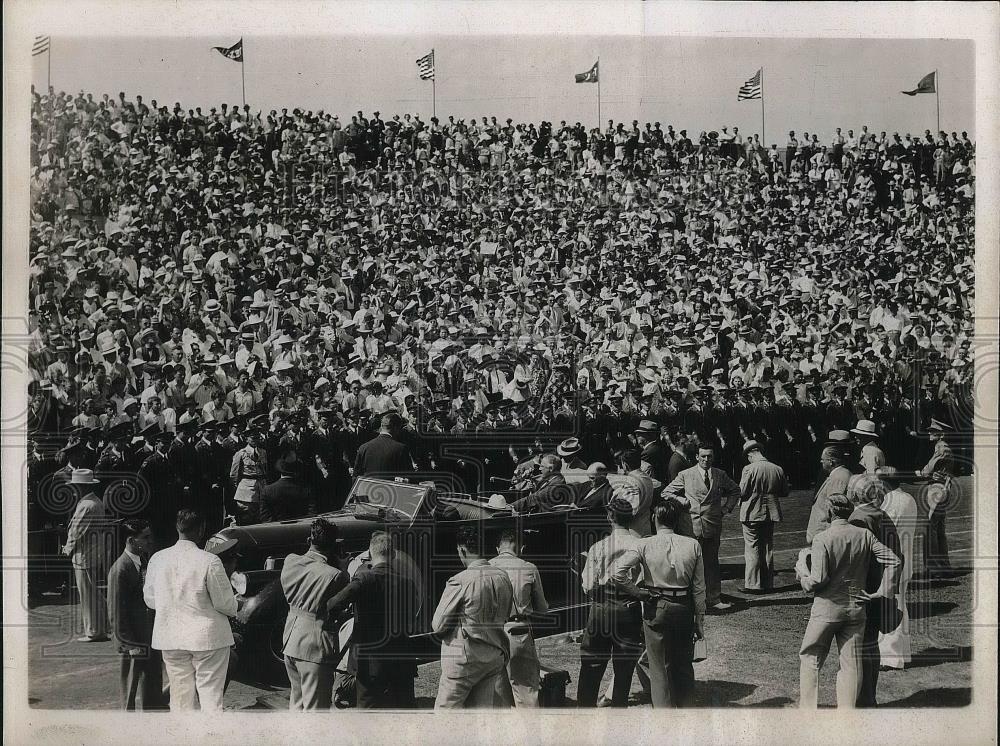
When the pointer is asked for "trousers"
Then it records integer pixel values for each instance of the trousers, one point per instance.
(871, 659)
(519, 688)
(311, 684)
(668, 629)
(816, 642)
(141, 680)
(469, 673)
(93, 609)
(758, 555)
(937, 542)
(196, 672)
(713, 574)
(613, 635)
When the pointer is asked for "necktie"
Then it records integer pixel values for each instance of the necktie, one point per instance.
(708, 480)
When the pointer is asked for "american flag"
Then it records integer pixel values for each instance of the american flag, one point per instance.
(234, 53)
(426, 66)
(750, 89)
(41, 45)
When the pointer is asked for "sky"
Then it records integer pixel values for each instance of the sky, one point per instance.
(814, 85)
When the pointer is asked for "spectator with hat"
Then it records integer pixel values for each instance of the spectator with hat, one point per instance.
(872, 457)
(87, 545)
(940, 468)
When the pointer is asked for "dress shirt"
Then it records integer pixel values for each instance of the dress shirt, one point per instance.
(603, 556)
(474, 606)
(526, 581)
(668, 560)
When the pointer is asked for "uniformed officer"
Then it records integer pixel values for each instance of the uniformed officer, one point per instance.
(614, 626)
(520, 686)
(940, 468)
(470, 619)
(247, 472)
(673, 579)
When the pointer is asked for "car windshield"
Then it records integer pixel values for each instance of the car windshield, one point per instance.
(398, 497)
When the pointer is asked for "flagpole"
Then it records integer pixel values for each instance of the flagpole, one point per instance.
(937, 99)
(598, 93)
(434, 105)
(243, 75)
(48, 64)
(763, 137)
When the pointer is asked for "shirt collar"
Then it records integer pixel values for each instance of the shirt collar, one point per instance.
(136, 559)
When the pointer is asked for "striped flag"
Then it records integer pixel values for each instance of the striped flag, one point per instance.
(927, 84)
(426, 66)
(234, 53)
(750, 89)
(41, 45)
(591, 76)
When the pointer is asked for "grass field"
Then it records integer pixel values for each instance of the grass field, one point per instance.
(753, 648)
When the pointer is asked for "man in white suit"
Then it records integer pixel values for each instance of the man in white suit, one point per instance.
(191, 594)
(87, 544)
(709, 494)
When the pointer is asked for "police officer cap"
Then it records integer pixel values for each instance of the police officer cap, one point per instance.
(150, 431)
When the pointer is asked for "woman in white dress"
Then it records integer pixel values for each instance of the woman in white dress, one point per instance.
(901, 509)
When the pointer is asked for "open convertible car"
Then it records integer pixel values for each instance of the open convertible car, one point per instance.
(423, 519)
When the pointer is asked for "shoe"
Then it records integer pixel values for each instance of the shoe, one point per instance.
(720, 606)
(95, 638)
(604, 702)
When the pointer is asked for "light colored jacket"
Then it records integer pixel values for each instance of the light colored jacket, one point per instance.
(192, 597)
(88, 540)
(473, 609)
(309, 582)
(704, 504)
(762, 484)
(838, 570)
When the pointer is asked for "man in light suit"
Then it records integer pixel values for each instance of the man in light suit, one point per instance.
(87, 543)
(132, 622)
(648, 490)
(310, 644)
(834, 461)
(836, 573)
(520, 686)
(762, 484)
(191, 594)
(709, 494)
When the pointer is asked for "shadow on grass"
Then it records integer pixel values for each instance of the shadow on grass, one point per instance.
(937, 656)
(927, 609)
(718, 693)
(942, 696)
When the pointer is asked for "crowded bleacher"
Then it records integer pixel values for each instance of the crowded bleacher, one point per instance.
(303, 274)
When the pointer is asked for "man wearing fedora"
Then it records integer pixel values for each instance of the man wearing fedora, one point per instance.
(569, 451)
(87, 544)
(656, 460)
(872, 457)
(286, 498)
(762, 485)
(834, 460)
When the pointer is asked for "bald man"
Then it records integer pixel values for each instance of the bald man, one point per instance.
(595, 493)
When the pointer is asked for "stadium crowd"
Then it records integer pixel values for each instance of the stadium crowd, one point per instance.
(195, 272)
(219, 298)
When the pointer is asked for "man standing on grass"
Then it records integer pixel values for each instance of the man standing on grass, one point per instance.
(188, 589)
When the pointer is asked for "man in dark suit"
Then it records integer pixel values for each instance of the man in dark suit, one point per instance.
(655, 458)
(132, 622)
(386, 603)
(384, 455)
(594, 494)
(286, 498)
(551, 490)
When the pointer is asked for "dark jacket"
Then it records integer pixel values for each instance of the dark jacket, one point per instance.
(587, 496)
(131, 620)
(383, 455)
(286, 499)
(385, 606)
